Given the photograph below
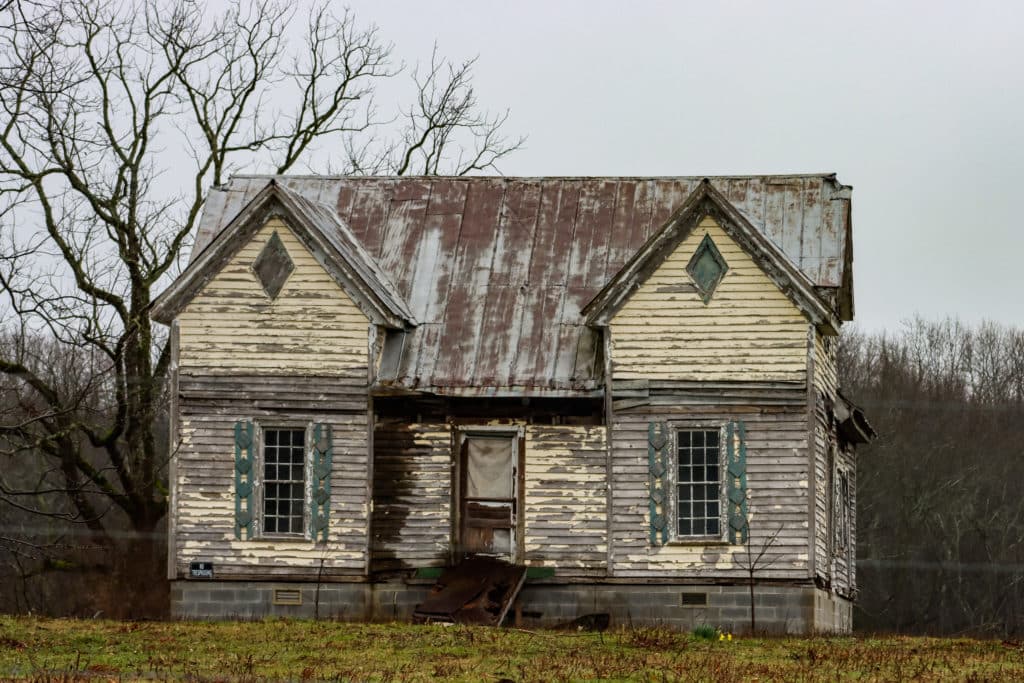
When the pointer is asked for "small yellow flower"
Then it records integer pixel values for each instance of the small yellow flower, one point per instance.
(728, 637)
(721, 636)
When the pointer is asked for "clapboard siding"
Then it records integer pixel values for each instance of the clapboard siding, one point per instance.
(825, 382)
(312, 326)
(566, 498)
(777, 484)
(565, 523)
(412, 473)
(749, 330)
(205, 510)
(844, 577)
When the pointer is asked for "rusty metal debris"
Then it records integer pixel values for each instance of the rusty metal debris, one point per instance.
(478, 590)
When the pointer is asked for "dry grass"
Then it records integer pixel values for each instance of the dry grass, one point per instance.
(66, 650)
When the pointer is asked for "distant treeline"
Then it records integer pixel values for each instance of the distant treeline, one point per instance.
(940, 518)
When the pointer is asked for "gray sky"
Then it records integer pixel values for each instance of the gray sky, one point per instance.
(919, 106)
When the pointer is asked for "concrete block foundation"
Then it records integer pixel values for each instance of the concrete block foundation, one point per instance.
(778, 609)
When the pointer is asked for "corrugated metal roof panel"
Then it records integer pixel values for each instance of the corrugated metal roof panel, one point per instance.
(496, 270)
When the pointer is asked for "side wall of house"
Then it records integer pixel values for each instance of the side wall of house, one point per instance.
(834, 565)
(298, 359)
(565, 495)
(749, 331)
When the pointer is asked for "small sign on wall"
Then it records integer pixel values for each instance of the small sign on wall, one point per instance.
(200, 570)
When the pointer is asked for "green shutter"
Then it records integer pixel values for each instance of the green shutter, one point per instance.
(245, 464)
(736, 475)
(658, 445)
(323, 450)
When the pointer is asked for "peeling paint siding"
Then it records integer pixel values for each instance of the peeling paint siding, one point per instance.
(748, 331)
(412, 473)
(777, 482)
(844, 579)
(233, 326)
(565, 496)
(565, 502)
(825, 382)
(204, 518)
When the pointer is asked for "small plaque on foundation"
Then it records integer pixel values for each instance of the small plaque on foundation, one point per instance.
(200, 570)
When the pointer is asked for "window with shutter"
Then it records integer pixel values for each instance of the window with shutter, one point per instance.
(292, 466)
(698, 483)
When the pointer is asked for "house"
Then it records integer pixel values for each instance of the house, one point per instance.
(627, 386)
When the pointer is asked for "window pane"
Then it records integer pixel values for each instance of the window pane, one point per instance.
(488, 467)
(698, 488)
(284, 480)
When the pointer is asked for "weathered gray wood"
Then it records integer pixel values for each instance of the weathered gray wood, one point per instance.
(173, 446)
(204, 477)
(777, 463)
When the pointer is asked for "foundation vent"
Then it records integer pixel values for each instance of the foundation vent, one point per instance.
(695, 599)
(287, 596)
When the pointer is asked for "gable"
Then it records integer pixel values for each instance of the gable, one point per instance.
(747, 330)
(322, 234)
(232, 325)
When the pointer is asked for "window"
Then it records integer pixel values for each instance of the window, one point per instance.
(284, 481)
(841, 511)
(698, 483)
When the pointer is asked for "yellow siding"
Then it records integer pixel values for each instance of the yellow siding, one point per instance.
(312, 325)
(825, 377)
(566, 497)
(749, 330)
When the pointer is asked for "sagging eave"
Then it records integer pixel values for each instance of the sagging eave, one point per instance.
(851, 423)
(590, 389)
(705, 201)
(367, 286)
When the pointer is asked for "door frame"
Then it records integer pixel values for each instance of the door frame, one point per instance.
(516, 432)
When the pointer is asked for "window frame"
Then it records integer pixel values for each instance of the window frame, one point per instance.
(259, 480)
(722, 537)
(842, 510)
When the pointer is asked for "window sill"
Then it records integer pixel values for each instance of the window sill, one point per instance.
(690, 542)
(283, 537)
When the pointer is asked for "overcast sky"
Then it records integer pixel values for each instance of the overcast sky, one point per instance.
(919, 106)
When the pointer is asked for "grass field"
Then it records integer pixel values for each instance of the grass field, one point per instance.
(66, 649)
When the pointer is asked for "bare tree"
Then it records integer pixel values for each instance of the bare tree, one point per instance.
(116, 119)
(753, 559)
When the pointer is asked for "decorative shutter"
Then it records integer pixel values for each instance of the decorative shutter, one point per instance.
(245, 464)
(736, 479)
(658, 445)
(323, 451)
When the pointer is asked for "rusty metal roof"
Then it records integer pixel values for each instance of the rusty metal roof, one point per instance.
(496, 270)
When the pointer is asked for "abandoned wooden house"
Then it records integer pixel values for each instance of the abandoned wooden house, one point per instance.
(624, 387)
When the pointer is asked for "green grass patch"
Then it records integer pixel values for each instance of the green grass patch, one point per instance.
(66, 649)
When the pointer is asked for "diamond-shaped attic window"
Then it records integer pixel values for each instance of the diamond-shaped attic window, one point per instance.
(273, 266)
(707, 268)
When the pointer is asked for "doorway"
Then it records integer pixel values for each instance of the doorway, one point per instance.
(489, 491)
